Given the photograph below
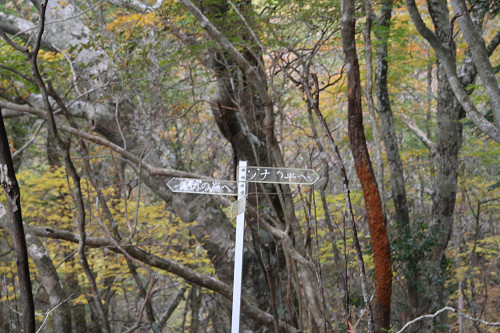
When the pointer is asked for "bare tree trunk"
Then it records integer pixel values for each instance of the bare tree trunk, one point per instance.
(446, 56)
(480, 55)
(387, 120)
(449, 139)
(195, 305)
(367, 31)
(245, 117)
(171, 307)
(78, 319)
(13, 194)
(389, 137)
(373, 202)
(448, 143)
(51, 283)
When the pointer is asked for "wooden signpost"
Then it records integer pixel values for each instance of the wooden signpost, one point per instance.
(239, 188)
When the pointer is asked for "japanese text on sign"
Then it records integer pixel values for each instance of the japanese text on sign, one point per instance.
(281, 175)
(202, 186)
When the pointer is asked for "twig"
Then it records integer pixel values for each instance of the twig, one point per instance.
(12, 43)
(27, 78)
(118, 122)
(420, 134)
(339, 164)
(27, 144)
(47, 314)
(148, 294)
(449, 308)
(452, 23)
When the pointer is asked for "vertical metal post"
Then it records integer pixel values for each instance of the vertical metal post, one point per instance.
(238, 248)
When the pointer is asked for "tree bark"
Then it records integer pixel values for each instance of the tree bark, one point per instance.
(51, 283)
(367, 31)
(447, 59)
(9, 183)
(480, 56)
(373, 203)
(387, 119)
(168, 265)
(402, 217)
(448, 143)
(247, 116)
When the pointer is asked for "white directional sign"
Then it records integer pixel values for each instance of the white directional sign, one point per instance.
(281, 175)
(239, 188)
(203, 186)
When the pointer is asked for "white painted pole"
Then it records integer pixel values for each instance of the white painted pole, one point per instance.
(238, 249)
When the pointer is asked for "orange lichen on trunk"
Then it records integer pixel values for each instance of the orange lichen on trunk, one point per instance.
(379, 241)
(373, 201)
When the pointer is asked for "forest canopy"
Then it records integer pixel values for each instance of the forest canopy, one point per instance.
(395, 105)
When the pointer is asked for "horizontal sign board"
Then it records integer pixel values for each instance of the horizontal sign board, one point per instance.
(281, 175)
(203, 186)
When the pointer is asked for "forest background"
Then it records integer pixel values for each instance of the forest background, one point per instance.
(396, 105)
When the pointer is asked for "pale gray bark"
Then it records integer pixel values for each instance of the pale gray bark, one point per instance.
(138, 6)
(168, 265)
(265, 145)
(387, 120)
(51, 283)
(90, 69)
(419, 133)
(448, 135)
(448, 143)
(445, 57)
(480, 56)
(22, 28)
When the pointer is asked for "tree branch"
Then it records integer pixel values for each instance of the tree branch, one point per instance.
(480, 55)
(419, 133)
(448, 308)
(217, 36)
(131, 157)
(18, 27)
(135, 5)
(101, 141)
(27, 78)
(12, 43)
(166, 265)
(450, 69)
(494, 42)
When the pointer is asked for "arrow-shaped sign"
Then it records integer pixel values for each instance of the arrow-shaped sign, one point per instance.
(204, 186)
(239, 188)
(253, 175)
(281, 175)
